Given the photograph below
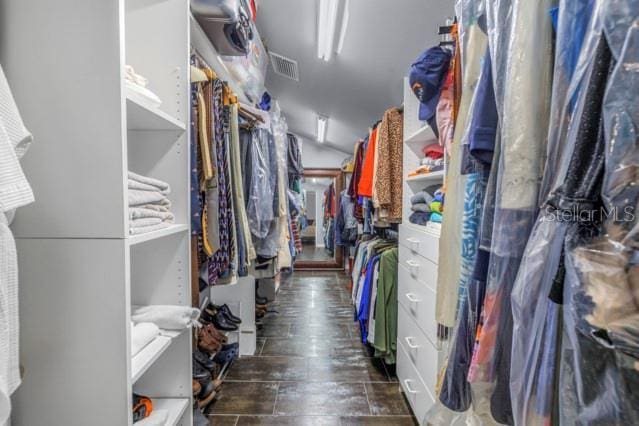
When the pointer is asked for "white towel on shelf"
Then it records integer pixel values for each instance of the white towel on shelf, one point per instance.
(157, 418)
(138, 92)
(144, 212)
(140, 198)
(141, 335)
(144, 221)
(168, 317)
(155, 184)
(133, 230)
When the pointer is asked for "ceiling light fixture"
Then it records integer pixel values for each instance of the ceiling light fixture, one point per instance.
(345, 17)
(326, 25)
(322, 122)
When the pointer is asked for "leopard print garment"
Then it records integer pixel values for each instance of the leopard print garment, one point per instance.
(388, 184)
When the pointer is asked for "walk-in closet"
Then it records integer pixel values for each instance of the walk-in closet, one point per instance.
(319, 212)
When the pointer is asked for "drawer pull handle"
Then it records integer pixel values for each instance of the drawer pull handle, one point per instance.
(411, 297)
(412, 240)
(412, 263)
(408, 388)
(409, 342)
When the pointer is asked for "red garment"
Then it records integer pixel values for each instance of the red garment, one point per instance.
(365, 187)
(357, 170)
(434, 151)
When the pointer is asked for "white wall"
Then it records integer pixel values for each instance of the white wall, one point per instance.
(322, 157)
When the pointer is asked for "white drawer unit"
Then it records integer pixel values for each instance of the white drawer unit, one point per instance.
(417, 394)
(419, 268)
(420, 350)
(419, 301)
(419, 242)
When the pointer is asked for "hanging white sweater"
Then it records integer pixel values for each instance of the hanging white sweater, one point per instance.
(15, 192)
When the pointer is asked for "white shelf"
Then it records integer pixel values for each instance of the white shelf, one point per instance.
(434, 176)
(140, 115)
(154, 235)
(175, 406)
(424, 134)
(147, 356)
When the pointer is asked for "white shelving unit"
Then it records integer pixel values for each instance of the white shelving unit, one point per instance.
(419, 352)
(80, 271)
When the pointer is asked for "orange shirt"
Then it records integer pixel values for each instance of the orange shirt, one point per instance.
(365, 187)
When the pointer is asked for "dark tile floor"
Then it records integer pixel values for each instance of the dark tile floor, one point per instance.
(310, 368)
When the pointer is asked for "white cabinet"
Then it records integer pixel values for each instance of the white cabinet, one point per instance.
(419, 350)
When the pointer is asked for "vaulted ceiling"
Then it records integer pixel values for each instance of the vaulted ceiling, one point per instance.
(354, 89)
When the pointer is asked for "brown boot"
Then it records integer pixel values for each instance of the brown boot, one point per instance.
(207, 343)
(215, 333)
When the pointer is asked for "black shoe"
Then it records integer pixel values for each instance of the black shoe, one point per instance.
(201, 374)
(220, 322)
(226, 311)
(203, 359)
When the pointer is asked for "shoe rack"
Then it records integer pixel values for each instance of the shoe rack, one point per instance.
(80, 271)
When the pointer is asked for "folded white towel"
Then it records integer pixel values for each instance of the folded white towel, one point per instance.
(142, 94)
(140, 198)
(156, 184)
(143, 212)
(168, 317)
(144, 229)
(141, 335)
(157, 418)
(134, 184)
(156, 207)
(144, 221)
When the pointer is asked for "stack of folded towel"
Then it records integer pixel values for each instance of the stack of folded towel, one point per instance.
(136, 87)
(427, 208)
(149, 207)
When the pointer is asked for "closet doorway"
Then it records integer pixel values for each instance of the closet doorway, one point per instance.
(321, 189)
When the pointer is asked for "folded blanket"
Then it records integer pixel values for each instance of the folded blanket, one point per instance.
(436, 217)
(139, 198)
(421, 197)
(168, 317)
(141, 335)
(144, 212)
(419, 218)
(144, 229)
(155, 184)
(157, 418)
(420, 207)
(436, 206)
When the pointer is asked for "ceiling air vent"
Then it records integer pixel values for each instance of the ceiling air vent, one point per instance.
(285, 66)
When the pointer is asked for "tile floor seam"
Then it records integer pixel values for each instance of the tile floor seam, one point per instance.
(368, 401)
(277, 394)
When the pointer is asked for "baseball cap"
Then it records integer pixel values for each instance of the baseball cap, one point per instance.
(426, 78)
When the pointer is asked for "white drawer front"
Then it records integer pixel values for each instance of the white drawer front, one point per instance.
(422, 243)
(416, 392)
(419, 301)
(422, 353)
(419, 267)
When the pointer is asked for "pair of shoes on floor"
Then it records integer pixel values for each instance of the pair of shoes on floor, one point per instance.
(205, 384)
(221, 317)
